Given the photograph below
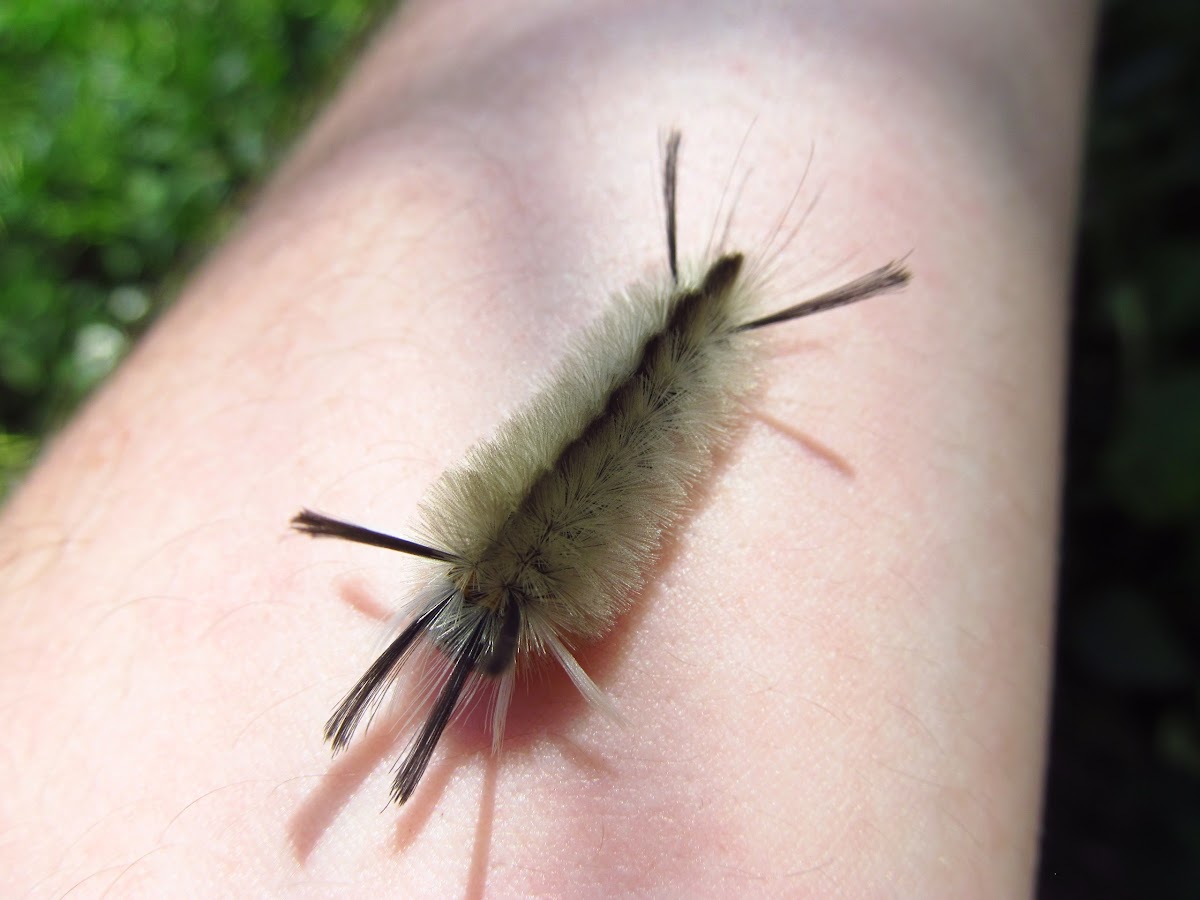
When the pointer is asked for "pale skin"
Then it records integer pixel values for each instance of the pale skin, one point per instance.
(836, 683)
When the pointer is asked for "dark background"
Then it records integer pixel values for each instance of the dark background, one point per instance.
(1123, 811)
(131, 132)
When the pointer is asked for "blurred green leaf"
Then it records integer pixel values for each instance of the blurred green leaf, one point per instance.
(1152, 467)
(128, 128)
(16, 455)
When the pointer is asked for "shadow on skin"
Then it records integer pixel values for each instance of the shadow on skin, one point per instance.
(542, 705)
(821, 451)
(481, 849)
(335, 789)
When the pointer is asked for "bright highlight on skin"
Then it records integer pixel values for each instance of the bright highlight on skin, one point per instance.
(543, 535)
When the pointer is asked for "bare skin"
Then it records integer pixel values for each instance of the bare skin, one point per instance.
(836, 685)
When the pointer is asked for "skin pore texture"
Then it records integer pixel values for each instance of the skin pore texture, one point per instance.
(835, 684)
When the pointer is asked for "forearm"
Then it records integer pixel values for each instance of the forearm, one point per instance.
(836, 683)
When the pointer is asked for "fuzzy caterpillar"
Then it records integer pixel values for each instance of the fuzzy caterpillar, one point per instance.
(544, 533)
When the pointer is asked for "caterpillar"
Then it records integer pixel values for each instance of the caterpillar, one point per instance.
(542, 536)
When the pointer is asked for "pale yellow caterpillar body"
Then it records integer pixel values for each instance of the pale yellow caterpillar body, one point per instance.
(543, 535)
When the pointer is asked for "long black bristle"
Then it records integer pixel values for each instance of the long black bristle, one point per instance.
(342, 724)
(885, 278)
(317, 525)
(670, 177)
(417, 759)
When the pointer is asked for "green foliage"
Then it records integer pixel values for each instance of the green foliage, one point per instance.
(128, 128)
